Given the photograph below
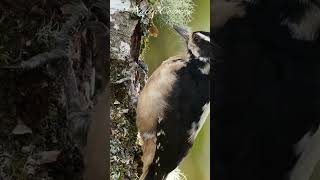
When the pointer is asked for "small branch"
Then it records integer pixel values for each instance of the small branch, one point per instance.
(120, 81)
(39, 60)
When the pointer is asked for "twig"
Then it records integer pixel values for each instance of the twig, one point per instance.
(39, 60)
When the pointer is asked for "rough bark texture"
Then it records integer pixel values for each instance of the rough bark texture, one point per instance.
(127, 76)
(53, 70)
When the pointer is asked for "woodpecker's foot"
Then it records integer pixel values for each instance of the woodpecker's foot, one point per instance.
(143, 66)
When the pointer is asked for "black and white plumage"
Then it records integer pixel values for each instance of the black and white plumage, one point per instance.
(267, 90)
(173, 106)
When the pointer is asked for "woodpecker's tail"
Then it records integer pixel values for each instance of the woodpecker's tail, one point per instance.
(155, 175)
(173, 175)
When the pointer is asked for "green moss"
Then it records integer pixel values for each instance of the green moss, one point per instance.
(144, 46)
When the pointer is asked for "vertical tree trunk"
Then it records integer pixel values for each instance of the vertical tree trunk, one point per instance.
(126, 76)
(53, 71)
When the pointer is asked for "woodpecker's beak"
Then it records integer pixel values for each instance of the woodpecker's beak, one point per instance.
(184, 33)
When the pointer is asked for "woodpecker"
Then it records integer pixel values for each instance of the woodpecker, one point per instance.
(173, 106)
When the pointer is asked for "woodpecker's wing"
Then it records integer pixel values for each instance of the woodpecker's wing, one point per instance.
(152, 104)
(153, 98)
(181, 120)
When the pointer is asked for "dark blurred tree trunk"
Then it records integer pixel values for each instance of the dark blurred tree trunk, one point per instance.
(53, 81)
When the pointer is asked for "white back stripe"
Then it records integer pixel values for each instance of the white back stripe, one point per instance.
(194, 131)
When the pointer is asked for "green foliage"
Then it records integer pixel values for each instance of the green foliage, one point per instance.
(165, 12)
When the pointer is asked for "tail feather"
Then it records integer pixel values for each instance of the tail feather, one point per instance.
(173, 175)
(153, 174)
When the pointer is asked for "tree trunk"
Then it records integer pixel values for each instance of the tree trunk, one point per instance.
(53, 57)
(127, 76)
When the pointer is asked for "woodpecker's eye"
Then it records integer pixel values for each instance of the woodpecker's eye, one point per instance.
(196, 39)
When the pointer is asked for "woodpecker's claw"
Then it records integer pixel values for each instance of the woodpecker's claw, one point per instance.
(143, 66)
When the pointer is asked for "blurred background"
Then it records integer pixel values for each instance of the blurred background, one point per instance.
(197, 164)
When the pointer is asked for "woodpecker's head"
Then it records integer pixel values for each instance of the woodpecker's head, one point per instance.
(198, 42)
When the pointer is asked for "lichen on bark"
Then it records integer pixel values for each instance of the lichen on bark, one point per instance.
(126, 76)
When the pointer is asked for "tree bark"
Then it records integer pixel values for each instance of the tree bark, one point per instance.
(127, 76)
(53, 75)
